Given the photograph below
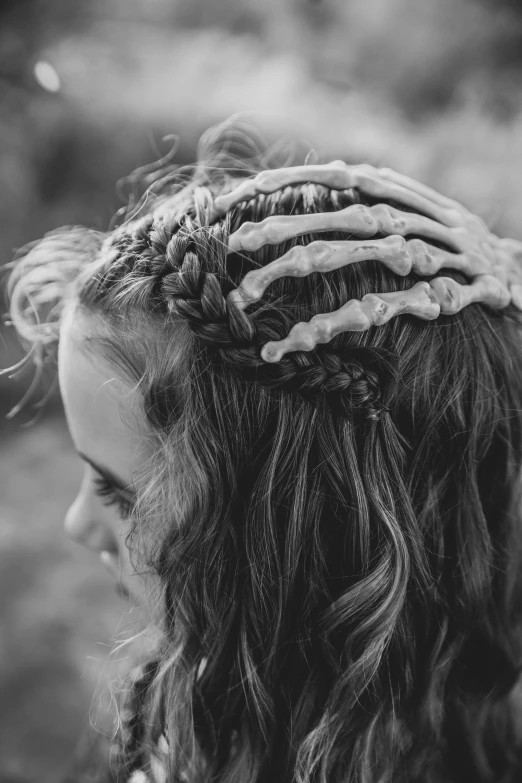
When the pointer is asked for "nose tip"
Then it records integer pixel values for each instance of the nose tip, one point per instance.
(86, 530)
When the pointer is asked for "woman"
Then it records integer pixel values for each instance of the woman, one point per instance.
(326, 514)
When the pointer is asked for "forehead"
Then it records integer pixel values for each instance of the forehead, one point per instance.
(103, 410)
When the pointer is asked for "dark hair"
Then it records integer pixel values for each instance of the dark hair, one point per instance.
(340, 549)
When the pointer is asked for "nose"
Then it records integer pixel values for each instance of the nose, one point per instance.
(84, 522)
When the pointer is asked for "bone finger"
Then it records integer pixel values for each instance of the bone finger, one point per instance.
(471, 221)
(321, 256)
(468, 220)
(398, 254)
(507, 265)
(421, 189)
(453, 296)
(516, 295)
(356, 219)
(371, 184)
(332, 175)
(354, 316)
(338, 175)
(425, 300)
(511, 250)
(277, 229)
(513, 246)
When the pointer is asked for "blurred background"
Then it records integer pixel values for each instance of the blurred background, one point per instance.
(88, 93)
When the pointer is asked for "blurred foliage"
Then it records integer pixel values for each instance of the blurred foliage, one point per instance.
(88, 91)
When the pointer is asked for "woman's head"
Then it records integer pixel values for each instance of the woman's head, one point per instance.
(335, 537)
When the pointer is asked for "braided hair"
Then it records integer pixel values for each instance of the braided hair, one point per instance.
(339, 535)
(180, 267)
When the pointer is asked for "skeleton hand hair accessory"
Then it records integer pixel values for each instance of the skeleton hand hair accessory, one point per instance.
(493, 264)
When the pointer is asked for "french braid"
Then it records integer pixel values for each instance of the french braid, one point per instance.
(198, 297)
(167, 259)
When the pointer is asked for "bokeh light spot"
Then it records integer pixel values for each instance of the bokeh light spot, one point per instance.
(46, 76)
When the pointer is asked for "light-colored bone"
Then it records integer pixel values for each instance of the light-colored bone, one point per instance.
(356, 219)
(508, 253)
(493, 264)
(516, 295)
(469, 220)
(511, 263)
(422, 189)
(425, 300)
(400, 255)
(378, 183)
(357, 316)
(504, 256)
(507, 266)
(453, 296)
(511, 246)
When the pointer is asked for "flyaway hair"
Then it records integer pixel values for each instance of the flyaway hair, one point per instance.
(337, 533)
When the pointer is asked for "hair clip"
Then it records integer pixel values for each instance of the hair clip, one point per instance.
(493, 264)
(398, 254)
(424, 300)
(385, 184)
(355, 219)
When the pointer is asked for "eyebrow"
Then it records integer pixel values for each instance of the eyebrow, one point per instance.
(108, 475)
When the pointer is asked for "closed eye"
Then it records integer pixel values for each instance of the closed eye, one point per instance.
(111, 497)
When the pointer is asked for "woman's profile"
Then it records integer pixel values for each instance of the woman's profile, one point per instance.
(297, 393)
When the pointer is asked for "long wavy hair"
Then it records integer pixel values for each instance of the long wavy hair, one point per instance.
(337, 536)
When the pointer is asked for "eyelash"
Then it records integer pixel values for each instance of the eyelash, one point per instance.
(109, 497)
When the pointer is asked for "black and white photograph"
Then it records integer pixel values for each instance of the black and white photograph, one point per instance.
(261, 391)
